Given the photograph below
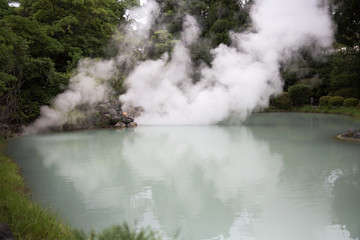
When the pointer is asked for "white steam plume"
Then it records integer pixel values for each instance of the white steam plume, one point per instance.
(242, 77)
(90, 85)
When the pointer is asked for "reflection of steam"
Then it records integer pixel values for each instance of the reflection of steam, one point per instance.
(230, 158)
(211, 182)
(189, 168)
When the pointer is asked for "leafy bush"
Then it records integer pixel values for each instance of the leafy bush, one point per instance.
(324, 100)
(283, 101)
(336, 101)
(347, 93)
(299, 94)
(351, 102)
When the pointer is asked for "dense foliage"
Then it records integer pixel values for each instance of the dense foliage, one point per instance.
(216, 18)
(335, 72)
(336, 101)
(324, 101)
(283, 102)
(40, 44)
(300, 94)
(351, 102)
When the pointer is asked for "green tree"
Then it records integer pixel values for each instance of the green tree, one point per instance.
(42, 41)
(345, 71)
(162, 41)
(83, 27)
(346, 14)
(300, 94)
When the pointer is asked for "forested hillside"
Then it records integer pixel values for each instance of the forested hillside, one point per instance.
(41, 42)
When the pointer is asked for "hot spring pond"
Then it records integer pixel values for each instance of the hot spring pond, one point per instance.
(279, 176)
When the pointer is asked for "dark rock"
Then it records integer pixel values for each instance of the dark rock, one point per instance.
(5, 233)
(120, 125)
(103, 120)
(125, 118)
(351, 133)
(131, 125)
(114, 120)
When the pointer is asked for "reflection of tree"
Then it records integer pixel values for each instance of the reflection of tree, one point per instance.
(346, 201)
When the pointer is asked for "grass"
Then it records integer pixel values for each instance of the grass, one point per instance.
(349, 111)
(119, 232)
(26, 219)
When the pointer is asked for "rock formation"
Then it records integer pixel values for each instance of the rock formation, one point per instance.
(352, 133)
(5, 233)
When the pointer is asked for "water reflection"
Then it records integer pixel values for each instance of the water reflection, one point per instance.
(265, 180)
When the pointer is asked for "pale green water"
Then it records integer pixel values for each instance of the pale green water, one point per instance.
(281, 177)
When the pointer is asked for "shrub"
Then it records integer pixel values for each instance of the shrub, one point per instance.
(347, 93)
(351, 102)
(299, 94)
(283, 101)
(336, 101)
(324, 100)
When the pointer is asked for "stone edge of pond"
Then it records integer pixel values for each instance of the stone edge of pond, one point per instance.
(348, 139)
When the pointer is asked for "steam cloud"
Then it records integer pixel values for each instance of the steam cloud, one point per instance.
(241, 79)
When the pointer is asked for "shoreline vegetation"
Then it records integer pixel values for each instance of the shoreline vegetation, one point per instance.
(28, 220)
(347, 111)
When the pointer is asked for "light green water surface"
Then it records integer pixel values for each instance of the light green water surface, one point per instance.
(280, 176)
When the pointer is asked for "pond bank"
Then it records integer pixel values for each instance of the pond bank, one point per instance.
(348, 139)
(347, 111)
(26, 219)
